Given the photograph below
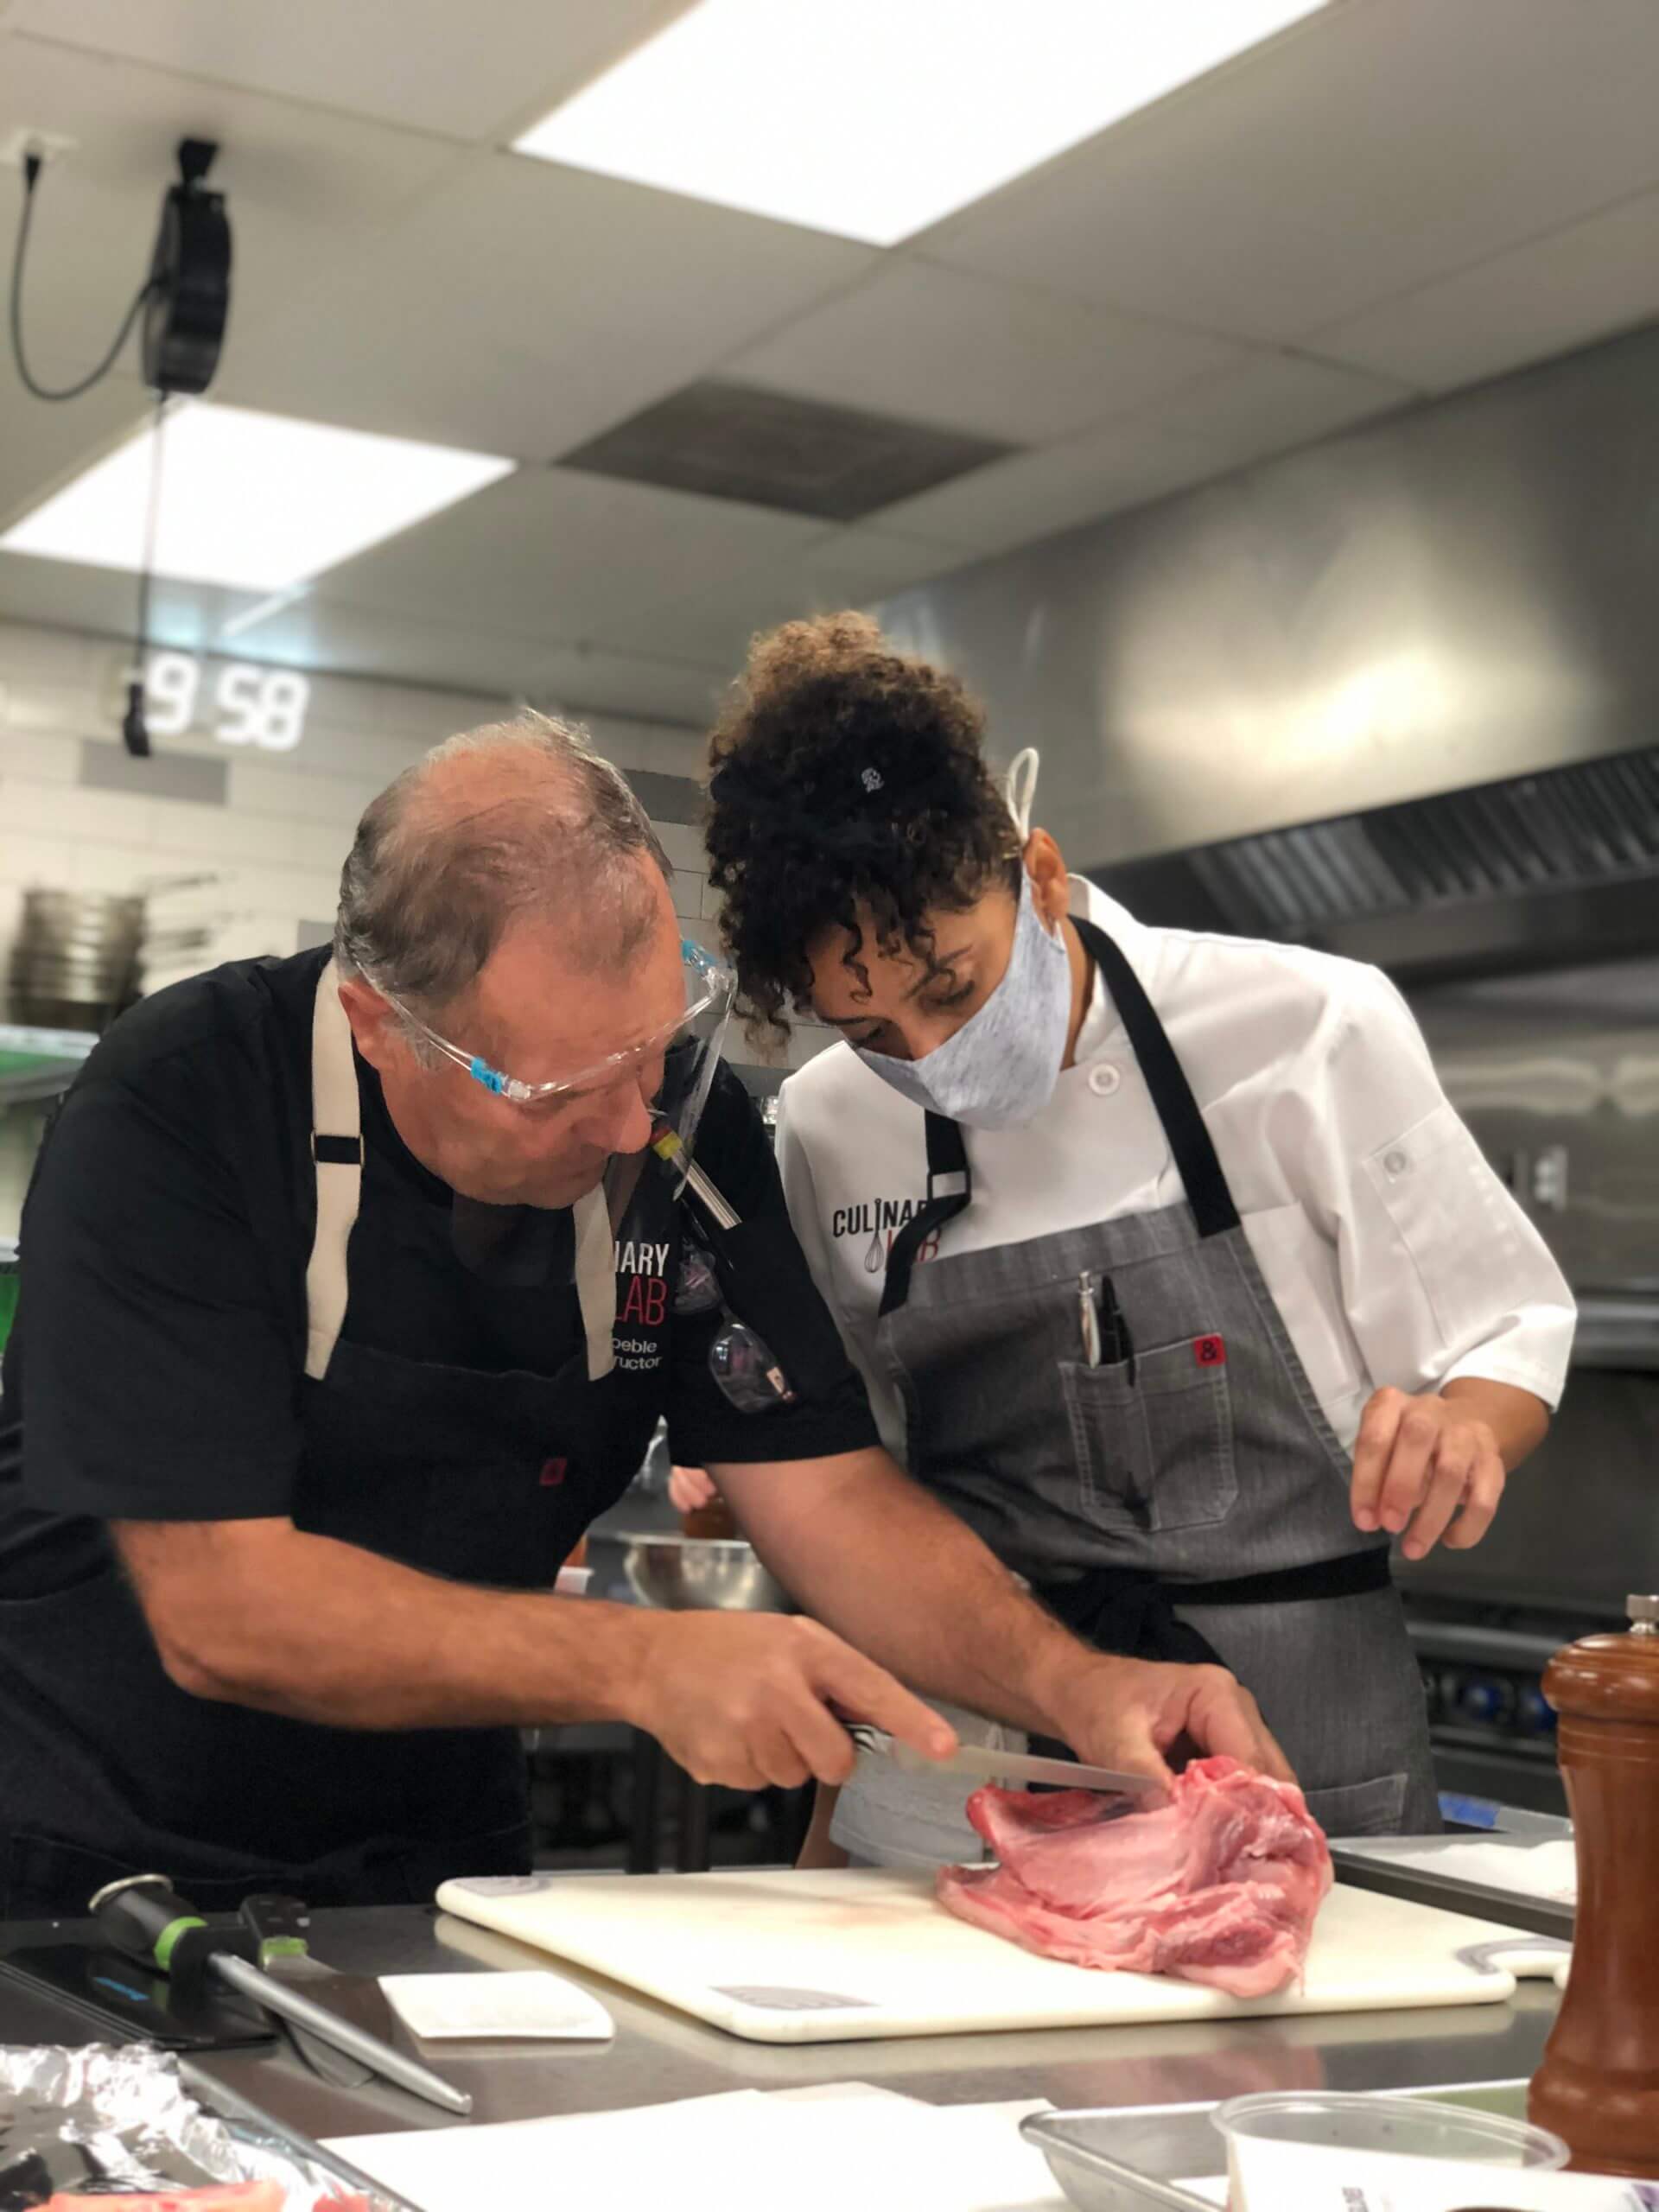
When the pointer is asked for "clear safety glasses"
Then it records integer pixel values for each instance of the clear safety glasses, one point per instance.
(688, 1049)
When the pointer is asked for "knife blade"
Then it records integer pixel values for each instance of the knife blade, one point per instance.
(282, 1925)
(1005, 1766)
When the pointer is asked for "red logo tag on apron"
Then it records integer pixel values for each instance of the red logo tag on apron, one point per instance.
(553, 1473)
(1210, 1352)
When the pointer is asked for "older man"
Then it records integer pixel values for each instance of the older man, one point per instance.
(351, 1295)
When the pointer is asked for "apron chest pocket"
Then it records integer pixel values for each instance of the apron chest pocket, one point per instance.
(1156, 1453)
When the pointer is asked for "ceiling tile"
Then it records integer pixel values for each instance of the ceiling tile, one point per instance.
(43, 446)
(316, 634)
(583, 683)
(425, 64)
(1379, 145)
(564, 557)
(307, 192)
(65, 595)
(1273, 402)
(528, 308)
(851, 568)
(1001, 359)
(322, 632)
(1267, 403)
(857, 567)
(1545, 297)
(1034, 494)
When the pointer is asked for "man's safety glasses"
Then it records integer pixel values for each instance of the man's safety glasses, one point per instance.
(697, 1032)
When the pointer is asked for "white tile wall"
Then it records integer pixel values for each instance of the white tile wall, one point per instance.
(275, 848)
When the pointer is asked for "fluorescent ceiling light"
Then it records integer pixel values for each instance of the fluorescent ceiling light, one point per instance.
(874, 118)
(254, 502)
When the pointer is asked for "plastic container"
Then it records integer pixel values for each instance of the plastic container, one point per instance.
(1270, 2137)
(1171, 2158)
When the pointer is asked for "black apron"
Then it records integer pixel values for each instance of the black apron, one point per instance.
(108, 1769)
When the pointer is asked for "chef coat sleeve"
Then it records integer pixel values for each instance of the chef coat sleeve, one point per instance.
(703, 1428)
(157, 1381)
(1442, 1274)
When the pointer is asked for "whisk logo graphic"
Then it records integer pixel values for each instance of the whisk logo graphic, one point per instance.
(877, 1223)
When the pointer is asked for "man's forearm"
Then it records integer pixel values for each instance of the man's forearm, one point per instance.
(869, 1552)
(261, 1614)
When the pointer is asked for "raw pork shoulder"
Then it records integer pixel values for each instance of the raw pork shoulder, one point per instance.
(1219, 1886)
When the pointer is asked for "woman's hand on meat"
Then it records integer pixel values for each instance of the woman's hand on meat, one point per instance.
(1429, 1468)
(1131, 1713)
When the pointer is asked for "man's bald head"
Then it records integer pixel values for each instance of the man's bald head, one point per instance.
(516, 820)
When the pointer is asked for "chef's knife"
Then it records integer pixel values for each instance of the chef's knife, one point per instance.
(1003, 1766)
(282, 1926)
(143, 1917)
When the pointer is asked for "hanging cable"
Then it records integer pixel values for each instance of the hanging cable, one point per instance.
(135, 730)
(33, 164)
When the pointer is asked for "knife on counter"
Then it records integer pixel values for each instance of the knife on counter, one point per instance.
(1003, 1766)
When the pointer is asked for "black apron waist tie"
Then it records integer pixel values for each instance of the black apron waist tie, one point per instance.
(1132, 1614)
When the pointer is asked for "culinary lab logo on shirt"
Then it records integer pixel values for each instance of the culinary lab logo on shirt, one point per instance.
(875, 1223)
(641, 1302)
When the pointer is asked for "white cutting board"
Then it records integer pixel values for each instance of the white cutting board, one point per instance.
(781, 1956)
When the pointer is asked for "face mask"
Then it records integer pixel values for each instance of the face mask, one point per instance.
(1000, 1069)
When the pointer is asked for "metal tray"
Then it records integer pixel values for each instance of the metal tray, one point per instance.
(1130, 2159)
(112, 2118)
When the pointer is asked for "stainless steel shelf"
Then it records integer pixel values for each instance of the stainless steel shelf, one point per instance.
(50, 1058)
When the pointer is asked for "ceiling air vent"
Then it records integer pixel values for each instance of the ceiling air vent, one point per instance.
(736, 442)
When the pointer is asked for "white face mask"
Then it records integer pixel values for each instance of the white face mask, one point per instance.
(1000, 1069)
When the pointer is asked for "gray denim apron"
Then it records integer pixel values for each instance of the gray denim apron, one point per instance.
(1184, 1499)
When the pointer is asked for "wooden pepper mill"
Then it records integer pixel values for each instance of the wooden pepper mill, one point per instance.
(1598, 2086)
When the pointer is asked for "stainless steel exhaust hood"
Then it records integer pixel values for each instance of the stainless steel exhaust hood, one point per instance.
(1397, 693)
(1528, 872)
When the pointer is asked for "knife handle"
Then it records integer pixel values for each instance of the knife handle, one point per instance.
(280, 1925)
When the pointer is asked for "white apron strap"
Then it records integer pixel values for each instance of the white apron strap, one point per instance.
(596, 1280)
(337, 1151)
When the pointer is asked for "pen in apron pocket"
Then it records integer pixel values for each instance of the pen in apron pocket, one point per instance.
(1089, 1319)
(1122, 1344)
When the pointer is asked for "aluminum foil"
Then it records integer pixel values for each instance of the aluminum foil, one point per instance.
(106, 2120)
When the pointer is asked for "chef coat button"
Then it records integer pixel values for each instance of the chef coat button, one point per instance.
(1103, 1079)
(1395, 1162)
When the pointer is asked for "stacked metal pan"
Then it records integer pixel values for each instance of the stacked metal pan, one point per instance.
(75, 960)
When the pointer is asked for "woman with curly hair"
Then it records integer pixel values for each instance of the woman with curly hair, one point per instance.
(1166, 1261)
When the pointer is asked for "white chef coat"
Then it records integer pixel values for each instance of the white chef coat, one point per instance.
(1393, 1251)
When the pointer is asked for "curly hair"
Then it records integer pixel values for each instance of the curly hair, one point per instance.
(846, 778)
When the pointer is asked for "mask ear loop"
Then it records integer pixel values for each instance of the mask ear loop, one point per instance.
(1021, 789)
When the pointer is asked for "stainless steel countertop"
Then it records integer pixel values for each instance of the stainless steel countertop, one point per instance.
(659, 2055)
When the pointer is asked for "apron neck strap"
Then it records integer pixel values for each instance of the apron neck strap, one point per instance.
(947, 1160)
(1190, 1140)
(337, 1155)
(596, 1280)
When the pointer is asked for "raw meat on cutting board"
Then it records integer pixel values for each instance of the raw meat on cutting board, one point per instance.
(1220, 1885)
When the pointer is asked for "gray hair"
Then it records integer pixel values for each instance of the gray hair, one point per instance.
(514, 818)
